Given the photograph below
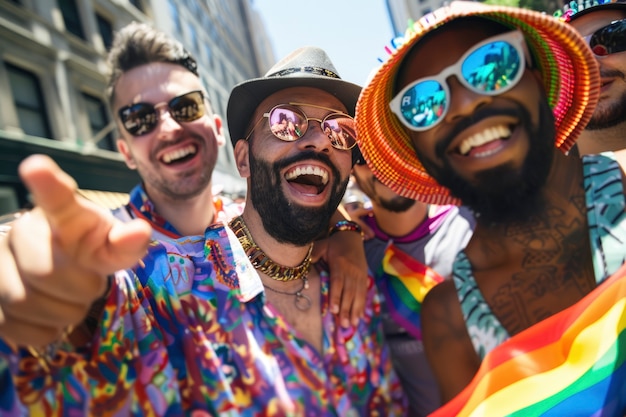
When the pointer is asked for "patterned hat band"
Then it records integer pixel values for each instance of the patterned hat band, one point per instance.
(310, 70)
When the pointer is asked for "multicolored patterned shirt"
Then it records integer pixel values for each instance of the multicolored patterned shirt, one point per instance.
(604, 195)
(189, 332)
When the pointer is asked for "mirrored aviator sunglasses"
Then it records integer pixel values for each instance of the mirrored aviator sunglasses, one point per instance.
(609, 39)
(288, 122)
(490, 67)
(142, 118)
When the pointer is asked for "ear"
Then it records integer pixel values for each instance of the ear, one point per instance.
(219, 130)
(242, 157)
(122, 146)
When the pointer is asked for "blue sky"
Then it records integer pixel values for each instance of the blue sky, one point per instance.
(354, 33)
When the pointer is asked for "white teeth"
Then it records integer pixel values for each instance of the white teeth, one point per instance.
(179, 153)
(486, 136)
(308, 170)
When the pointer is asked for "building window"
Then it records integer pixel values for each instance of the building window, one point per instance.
(175, 17)
(209, 56)
(29, 103)
(194, 39)
(106, 31)
(71, 17)
(98, 122)
(138, 4)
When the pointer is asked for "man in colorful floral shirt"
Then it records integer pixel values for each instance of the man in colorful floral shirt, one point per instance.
(173, 145)
(242, 326)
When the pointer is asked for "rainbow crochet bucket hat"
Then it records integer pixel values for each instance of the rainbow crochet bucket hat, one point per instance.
(568, 69)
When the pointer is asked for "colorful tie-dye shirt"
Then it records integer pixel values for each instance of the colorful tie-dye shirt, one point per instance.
(189, 332)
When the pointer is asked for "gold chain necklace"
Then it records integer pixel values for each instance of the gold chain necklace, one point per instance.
(262, 262)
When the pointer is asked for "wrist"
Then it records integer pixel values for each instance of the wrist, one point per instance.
(345, 226)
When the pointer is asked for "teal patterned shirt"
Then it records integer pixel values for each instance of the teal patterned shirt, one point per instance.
(604, 197)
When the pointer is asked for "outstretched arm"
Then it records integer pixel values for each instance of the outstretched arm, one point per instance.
(56, 259)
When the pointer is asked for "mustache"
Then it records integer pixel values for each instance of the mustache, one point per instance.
(308, 155)
(469, 121)
(611, 73)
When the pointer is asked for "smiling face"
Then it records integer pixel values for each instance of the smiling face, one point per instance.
(611, 108)
(295, 186)
(492, 152)
(175, 160)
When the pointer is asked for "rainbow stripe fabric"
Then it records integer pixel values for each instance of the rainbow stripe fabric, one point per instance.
(404, 281)
(571, 364)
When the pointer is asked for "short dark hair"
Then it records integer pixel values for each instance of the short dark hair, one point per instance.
(138, 44)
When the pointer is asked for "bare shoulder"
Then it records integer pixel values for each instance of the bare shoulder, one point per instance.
(441, 311)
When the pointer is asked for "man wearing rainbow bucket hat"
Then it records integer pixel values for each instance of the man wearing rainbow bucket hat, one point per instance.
(533, 321)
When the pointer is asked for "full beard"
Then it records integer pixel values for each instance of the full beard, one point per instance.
(504, 194)
(284, 220)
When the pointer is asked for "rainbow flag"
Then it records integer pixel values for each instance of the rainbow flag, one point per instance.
(571, 364)
(404, 281)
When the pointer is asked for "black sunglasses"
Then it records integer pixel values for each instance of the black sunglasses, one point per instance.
(609, 39)
(141, 118)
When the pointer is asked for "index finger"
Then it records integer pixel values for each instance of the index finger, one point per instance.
(53, 190)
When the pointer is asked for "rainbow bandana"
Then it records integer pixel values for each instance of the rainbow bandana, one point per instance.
(404, 281)
(571, 364)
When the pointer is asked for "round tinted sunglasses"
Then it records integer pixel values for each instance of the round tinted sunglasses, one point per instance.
(609, 39)
(490, 67)
(141, 118)
(288, 122)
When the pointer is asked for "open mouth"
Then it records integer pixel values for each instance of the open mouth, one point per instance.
(308, 179)
(180, 155)
(483, 143)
